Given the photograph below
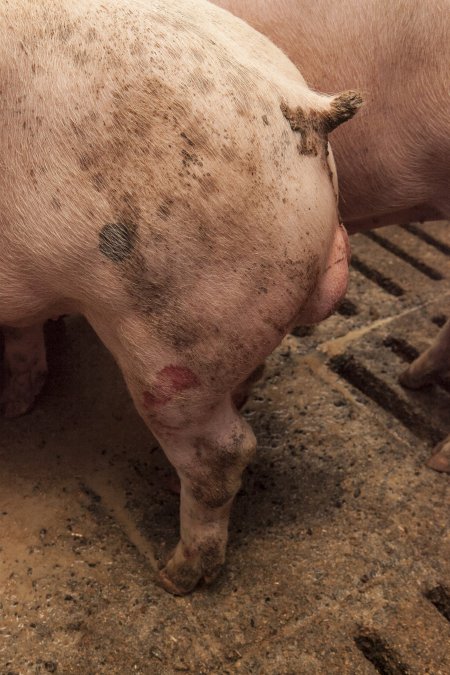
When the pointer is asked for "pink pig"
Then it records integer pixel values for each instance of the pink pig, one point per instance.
(166, 173)
(393, 160)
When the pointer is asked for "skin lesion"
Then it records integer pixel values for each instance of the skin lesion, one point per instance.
(170, 381)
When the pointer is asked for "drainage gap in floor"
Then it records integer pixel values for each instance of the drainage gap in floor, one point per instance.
(380, 655)
(440, 320)
(347, 308)
(430, 272)
(379, 391)
(427, 238)
(402, 348)
(374, 275)
(303, 331)
(440, 598)
(408, 353)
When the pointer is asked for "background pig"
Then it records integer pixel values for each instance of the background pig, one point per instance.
(165, 172)
(393, 160)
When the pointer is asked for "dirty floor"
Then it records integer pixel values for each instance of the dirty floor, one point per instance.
(339, 554)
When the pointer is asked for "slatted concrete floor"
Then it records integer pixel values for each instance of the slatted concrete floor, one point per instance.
(339, 557)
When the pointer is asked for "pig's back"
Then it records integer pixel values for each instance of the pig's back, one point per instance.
(138, 116)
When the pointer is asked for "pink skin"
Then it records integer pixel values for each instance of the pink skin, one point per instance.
(329, 291)
(392, 159)
(333, 284)
(179, 206)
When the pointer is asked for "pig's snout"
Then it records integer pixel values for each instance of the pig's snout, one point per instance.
(332, 286)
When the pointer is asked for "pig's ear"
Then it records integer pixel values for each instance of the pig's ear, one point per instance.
(340, 109)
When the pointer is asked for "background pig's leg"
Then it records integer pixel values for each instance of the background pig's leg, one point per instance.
(433, 363)
(25, 367)
(440, 460)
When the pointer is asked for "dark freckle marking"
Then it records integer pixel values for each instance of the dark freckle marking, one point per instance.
(116, 240)
(265, 120)
(163, 209)
(187, 139)
(85, 161)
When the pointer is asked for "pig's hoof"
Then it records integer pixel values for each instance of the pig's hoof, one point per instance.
(20, 392)
(412, 380)
(181, 574)
(440, 460)
(212, 576)
(180, 585)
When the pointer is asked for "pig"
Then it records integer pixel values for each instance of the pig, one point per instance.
(166, 173)
(393, 160)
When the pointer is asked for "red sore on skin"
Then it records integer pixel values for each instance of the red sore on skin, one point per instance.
(179, 377)
(169, 381)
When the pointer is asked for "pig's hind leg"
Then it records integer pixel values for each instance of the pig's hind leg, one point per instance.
(426, 369)
(209, 459)
(24, 368)
(239, 398)
(209, 444)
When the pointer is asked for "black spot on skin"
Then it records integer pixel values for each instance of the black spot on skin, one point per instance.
(116, 240)
(187, 139)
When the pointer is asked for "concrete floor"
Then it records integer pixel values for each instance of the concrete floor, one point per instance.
(339, 555)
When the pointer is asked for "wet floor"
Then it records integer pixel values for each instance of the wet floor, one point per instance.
(339, 555)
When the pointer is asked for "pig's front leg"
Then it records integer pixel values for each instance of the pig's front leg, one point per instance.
(25, 368)
(209, 444)
(426, 369)
(440, 460)
(430, 365)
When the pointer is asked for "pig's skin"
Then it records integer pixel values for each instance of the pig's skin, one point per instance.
(152, 180)
(393, 160)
